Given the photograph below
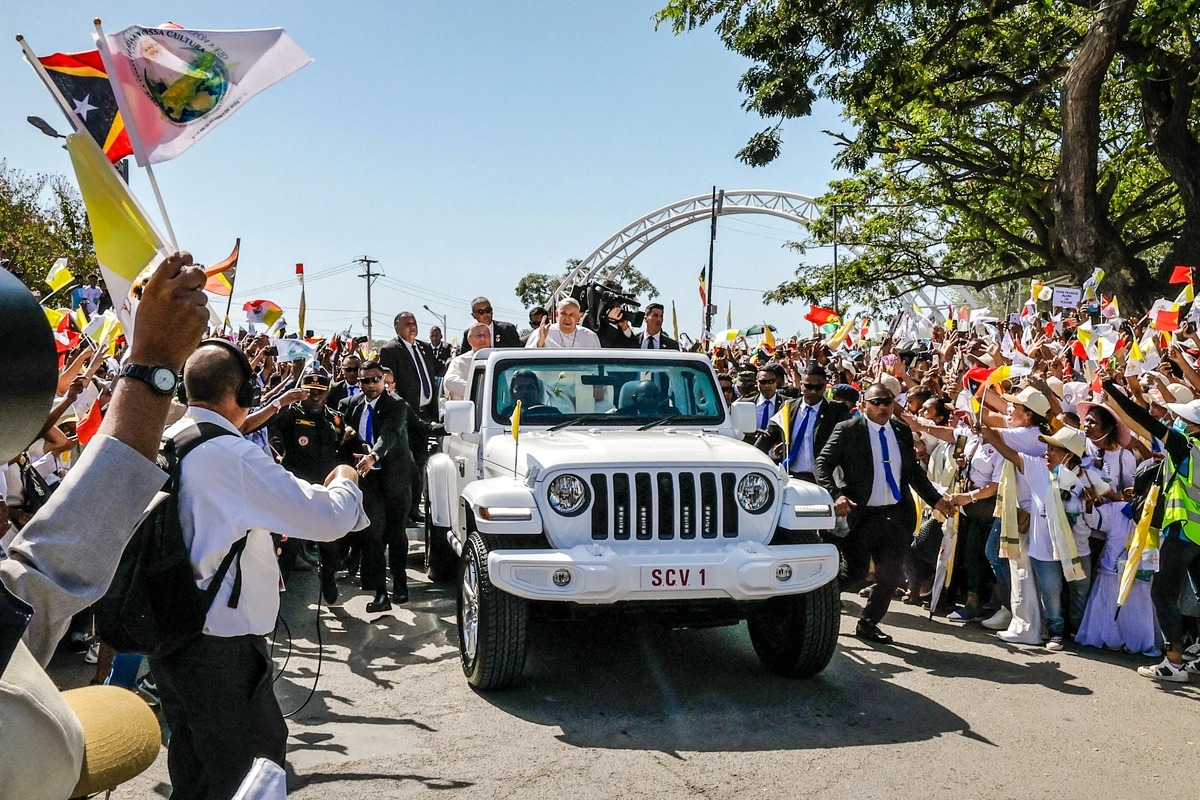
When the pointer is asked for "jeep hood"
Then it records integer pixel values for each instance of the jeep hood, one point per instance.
(624, 450)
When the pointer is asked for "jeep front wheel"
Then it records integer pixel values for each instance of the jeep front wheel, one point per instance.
(491, 623)
(439, 557)
(795, 635)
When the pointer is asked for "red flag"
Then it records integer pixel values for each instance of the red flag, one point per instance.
(819, 316)
(1181, 274)
(65, 339)
(1166, 320)
(84, 84)
(88, 426)
(300, 269)
(1079, 351)
(976, 375)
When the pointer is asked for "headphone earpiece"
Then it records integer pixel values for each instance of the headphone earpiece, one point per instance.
(248, 393)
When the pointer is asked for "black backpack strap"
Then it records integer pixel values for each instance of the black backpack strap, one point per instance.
(180, 445)
(235, 553)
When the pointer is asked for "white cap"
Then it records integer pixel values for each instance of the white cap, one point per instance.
(1068, 439)
(1032, 399)
(1189, 411)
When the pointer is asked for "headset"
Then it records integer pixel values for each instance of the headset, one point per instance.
(248, 393)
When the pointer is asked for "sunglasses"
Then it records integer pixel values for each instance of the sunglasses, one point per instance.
(766, 383)
(881, 401)
(480, 311)
(376, 379)
(813, 386)
(349, 369)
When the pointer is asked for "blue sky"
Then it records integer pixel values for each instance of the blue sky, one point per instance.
(460, 144)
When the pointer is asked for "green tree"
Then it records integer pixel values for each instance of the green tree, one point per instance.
(1024, 137)
(536, 288)
(42, 218)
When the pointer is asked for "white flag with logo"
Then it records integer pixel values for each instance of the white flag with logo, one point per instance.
(295, 350)
(175, 85)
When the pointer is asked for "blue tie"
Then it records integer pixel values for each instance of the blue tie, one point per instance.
(887, 467)
(766, 415)
(798, 439)
(370, 437)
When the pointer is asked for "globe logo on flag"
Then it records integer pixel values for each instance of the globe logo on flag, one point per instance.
(183, 79)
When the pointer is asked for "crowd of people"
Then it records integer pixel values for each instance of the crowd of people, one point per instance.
(1032, 458)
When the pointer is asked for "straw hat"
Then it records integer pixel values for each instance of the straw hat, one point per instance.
(1189, 411)
(121, 736)
(1124, 435)
(1068, 439)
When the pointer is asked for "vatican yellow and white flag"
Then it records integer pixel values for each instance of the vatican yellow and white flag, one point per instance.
(174, 85)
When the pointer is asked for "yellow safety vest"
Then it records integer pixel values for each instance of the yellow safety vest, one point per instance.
(1182, 495)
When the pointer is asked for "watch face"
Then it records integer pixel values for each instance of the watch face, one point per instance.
(164, 379)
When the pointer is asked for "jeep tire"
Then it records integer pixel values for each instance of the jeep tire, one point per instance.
(492, 625)
(440, 562)
(795, 635)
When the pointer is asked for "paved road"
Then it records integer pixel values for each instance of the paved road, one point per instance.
(617, 710)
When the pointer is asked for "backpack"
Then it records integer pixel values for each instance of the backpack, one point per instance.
(153, 606)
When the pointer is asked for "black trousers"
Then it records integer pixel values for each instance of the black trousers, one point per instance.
(385, 541)
(218, 700)
(883, 535)
(1178, 558)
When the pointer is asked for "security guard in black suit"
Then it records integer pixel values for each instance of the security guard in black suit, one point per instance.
(308, 435)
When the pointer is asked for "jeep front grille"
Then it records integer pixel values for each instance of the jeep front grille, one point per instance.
(664, 505)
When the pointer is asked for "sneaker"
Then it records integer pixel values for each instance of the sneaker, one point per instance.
(966, 614)
(1055, 643)
(148, 689)
(998, 621)
(93, 653)
(1192, 667)
(1192, 653)
(1164, 671)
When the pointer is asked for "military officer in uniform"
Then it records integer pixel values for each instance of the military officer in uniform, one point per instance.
(308, 434)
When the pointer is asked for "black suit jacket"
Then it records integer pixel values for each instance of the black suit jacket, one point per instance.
(849, 447)
(338, 392)
(830, 414)
(395, 356)
(504, 335)
(664, 342)
(390, 427)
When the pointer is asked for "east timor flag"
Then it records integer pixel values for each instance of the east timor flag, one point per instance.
(84, 84)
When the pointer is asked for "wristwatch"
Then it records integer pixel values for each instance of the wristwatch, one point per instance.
(162, 380)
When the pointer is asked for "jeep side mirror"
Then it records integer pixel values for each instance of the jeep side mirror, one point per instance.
(744, 418)
(460, 416)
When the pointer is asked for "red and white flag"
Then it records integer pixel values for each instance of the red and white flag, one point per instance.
(174, 85)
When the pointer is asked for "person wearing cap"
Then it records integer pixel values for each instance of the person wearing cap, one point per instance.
(845, 394)
(1179, 544)
(879, 469)
(1021, 428)
(307, 435)
(66, 744)
(812, 420)
(1043, 544)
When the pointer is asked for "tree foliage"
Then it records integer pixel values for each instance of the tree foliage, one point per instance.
(1023, 137)
(536, 288)
(41, 219)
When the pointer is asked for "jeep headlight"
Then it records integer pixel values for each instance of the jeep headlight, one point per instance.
(568, 495)
(755, 493)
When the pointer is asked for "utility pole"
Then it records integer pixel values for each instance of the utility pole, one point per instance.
(718, 200)
(370, 276)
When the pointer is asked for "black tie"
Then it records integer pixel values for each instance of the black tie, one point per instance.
(418, 362)
(653, 343)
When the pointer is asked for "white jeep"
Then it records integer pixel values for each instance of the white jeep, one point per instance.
(627, 486)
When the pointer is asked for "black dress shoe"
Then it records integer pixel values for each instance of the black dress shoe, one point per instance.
(329, 590)
(869, 632)
(400, 596)
(380, 603)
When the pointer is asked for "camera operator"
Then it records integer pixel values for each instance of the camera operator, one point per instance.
(612, 315)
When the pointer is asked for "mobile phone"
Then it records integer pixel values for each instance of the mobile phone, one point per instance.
(960, 445)
(273, 350)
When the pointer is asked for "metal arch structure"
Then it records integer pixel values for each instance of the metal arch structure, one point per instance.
(625, 245)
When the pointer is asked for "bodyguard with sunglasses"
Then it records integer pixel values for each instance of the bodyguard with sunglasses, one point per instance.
(879, 470)
(812, 421)
(504, 334)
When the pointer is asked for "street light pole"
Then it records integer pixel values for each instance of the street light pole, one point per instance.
(442, 317)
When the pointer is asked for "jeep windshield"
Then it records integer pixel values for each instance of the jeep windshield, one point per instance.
(627, 392)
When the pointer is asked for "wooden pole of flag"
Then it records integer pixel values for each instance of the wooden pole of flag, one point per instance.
(135, 137)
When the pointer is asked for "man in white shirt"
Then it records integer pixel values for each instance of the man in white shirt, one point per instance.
(216, 690)
(454, 383)
(653, 337)
(567, 332)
